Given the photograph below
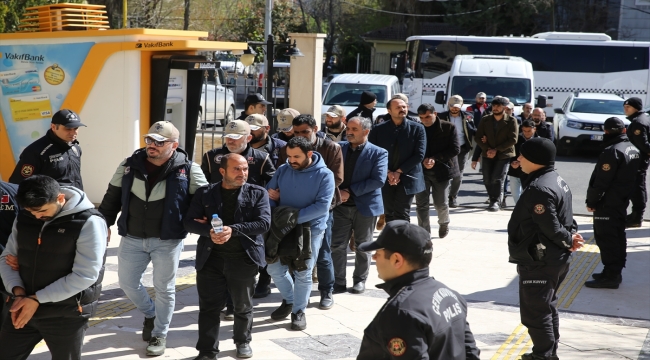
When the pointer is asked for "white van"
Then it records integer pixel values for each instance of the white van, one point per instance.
(346, 89)
(508, 76)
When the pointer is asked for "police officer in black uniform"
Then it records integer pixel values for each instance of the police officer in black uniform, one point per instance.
(639, 134)
(610, 186)
(237, 138)
(541, 236)
(254, 104)
(57, 154)
(408, 326)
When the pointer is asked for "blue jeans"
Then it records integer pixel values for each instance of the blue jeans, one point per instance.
(515, 187)
(324, 265)
(297, 295)
(133, 257)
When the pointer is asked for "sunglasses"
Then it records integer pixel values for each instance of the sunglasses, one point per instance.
(150, 141)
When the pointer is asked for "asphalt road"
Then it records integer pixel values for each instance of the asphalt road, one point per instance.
(575, 169)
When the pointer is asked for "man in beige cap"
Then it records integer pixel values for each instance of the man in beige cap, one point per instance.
(285, 127)
(335, 124)
(152, 189)
(261, 140)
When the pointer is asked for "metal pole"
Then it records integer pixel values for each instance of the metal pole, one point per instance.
(357, 63)
(269, 81)
(124, 13)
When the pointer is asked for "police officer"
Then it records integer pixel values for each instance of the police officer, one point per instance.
(237, 138)
(610, 186)
(261, 139)
(57, 154)
(403, 252)
(541, 236)
(639, 133)
(254, 104)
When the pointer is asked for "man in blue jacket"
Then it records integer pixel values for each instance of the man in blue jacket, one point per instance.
(365, 167)
(405, 142)
(228, 261)
(304, 183)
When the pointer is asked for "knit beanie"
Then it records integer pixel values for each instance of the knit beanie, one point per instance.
(539, 150)
(634, 102)
(367, 97)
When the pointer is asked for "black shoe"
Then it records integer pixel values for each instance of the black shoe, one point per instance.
(443, 230)
(487, 201)
(633, 223)
(205, 357)
(148, 328)
(494, 206)
(453, 203)
(326, 300)
(262, 291)
(282, 312)
(605, 283)
(358, 288)
(531, 356)
(244, 351)
(229, 315)
(298, 321)
(156, 346)
(339, 289)
(598, 276)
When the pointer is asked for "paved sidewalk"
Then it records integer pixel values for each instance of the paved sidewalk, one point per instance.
(473, 259)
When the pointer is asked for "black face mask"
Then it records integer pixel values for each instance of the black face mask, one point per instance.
(608, 137)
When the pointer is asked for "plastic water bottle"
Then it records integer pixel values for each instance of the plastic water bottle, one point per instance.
(217, 224)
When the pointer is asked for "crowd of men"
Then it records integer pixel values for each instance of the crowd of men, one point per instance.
(291, 205)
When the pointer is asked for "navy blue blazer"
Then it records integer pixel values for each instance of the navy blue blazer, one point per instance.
(252, 217)
(410, 145)
(368, 178)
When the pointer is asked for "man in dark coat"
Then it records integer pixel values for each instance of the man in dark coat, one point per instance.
(639, 133)
(366, 106)
(440, 165)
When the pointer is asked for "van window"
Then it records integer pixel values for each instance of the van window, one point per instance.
(350, 94)
(517, 90)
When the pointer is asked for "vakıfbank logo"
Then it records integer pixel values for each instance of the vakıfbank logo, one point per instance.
(23, 57)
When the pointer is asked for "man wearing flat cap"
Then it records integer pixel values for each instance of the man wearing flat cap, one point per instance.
(639, 134)
(408, 326)
(57, 154)
(610, 186)
(254, 104)
(541, 237)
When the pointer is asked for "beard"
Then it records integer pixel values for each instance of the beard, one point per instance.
(158, 154)
(300, 166)
(235, 182)
(236, 149)
(48, 218)
(497, 112)
(258, 138)
(334, 125)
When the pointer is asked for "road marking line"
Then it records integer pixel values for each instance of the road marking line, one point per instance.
(522, 337)
(508, 340)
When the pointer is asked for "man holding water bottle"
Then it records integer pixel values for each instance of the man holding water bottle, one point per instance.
(230, 216)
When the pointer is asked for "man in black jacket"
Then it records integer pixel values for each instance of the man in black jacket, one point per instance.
(440, 165)
(639, 133)
(541, 236)
(366, 107)
(152, 190)
(610, 186)
(543, 128)
(57, 154)
(405, 142)
(229, 260)
(408, 326)
(254, 104)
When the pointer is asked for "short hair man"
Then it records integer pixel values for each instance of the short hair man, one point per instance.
(639, 133)
(402, 255)
(501, 132)
(405, 154)
(227, 262)
(57, 154)
(526, 112)
(53, 299)
(440, 165)
(305, 126)
(478, 108)
(152, 189)
(254, 104)
(611, 184)
(237, 137)
(465, 130)
(260, 137)
(365, 169)
(366, 108)
(543, 128)
(306, 175)
(541, 237)
(335, 123)
(386, 117)
(514, 170)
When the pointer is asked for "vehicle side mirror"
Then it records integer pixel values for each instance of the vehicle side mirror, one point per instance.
(558, 111)
(441, 97)
(541, 101)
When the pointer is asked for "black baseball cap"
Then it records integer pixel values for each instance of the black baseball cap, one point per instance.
(256, 99)
(67, 118)
(614, 123)
(402, 237)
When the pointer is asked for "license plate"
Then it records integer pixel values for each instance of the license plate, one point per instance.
(597, 137)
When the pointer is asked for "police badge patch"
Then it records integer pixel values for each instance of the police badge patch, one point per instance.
(396, 347)
(217, 159)
(27, 170)
(637, 132)
(606, 167)
(539, 209)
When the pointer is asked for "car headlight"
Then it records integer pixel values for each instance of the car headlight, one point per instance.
(574, 124)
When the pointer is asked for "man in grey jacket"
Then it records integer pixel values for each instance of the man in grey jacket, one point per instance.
(52, 300)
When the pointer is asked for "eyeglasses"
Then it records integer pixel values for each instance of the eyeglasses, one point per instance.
(150, 141)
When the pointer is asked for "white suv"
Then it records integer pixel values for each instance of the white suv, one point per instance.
(579, 122)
